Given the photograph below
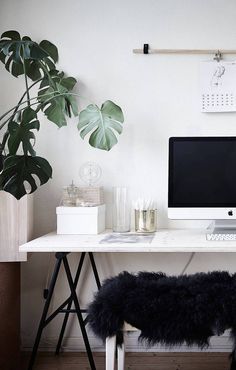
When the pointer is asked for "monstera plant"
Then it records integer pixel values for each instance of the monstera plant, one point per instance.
(22, 171)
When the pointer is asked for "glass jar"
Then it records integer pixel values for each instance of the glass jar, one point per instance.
(121, 210)
(70, 195)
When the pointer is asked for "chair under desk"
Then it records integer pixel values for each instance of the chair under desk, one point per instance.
(164, 241)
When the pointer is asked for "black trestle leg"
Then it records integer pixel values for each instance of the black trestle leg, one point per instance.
(44, 314)
(79, 314)
(66, 317)
(95, 272)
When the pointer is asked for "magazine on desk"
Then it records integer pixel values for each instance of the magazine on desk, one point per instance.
(127, 238)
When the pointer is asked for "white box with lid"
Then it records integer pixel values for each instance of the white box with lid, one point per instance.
(81, 220)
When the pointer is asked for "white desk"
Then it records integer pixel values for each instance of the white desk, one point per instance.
(192, 240)
(188, 240)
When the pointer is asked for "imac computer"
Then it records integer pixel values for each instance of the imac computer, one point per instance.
(202, 181)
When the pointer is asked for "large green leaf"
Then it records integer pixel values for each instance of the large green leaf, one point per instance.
(21, 133)
(20, 171)
(103, 123)
(16, 51)
(63, 104)
(34, 68)
(55, 108)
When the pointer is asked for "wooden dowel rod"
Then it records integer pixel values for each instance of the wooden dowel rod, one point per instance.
(185, 51)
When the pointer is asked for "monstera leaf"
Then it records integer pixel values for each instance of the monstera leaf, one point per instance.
(57, 103)
(103, 123)
(34, 67)
(22, 53)
(20, 170)
(22, 132)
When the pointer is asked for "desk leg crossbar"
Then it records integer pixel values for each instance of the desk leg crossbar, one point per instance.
(61, 258)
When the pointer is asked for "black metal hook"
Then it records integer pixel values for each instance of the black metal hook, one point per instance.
(146, 49)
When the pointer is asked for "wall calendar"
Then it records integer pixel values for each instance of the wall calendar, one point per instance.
(218, 86)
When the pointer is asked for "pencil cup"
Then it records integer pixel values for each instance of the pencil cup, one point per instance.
(145, 220)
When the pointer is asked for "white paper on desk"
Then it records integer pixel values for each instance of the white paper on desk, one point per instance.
(127, 238)
(218, 86)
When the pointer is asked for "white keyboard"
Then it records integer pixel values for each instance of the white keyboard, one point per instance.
(219, 237)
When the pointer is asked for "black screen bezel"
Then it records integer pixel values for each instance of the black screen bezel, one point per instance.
(172, 140)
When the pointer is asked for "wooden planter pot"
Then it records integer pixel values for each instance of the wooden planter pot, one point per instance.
(16, 223)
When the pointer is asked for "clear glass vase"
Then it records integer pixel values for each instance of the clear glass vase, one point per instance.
(121, 210)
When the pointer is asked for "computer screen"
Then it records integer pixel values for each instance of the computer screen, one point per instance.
(202, 172)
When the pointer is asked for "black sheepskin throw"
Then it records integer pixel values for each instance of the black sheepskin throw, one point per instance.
(170, 310)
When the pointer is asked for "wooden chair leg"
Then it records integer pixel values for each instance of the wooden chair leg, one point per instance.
(110, 352)
(121, 356)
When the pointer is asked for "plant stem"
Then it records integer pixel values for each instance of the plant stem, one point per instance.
(25, 93)
(26, 81)
(40, 105)
(23, 102)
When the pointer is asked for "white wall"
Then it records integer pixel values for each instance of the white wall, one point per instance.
(159, 97)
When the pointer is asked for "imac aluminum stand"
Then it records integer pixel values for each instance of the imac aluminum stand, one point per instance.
(221, 230)
(222, 227)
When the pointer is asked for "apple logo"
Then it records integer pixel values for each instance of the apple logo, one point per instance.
(230, 213)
